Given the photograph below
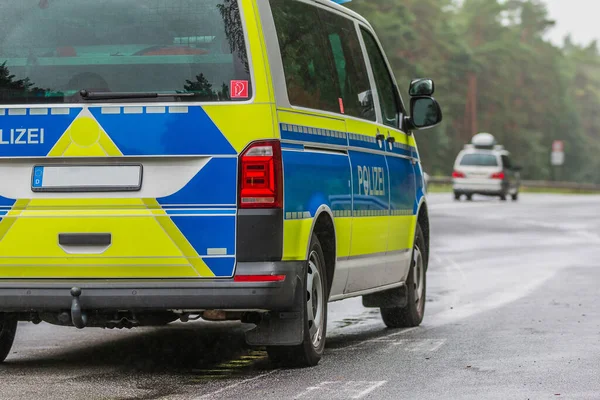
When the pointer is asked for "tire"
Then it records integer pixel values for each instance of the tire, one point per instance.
(515, 196)
(316, 295)
(469, 197)
(502, 197)
(8, 330)
(457, 196)
(416, 290)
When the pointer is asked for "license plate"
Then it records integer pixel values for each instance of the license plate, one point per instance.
(86, 178)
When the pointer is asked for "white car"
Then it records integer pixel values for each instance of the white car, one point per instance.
(485, 171)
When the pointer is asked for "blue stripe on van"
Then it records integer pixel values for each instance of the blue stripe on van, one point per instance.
(313, 179)
(217, 232)
(314, 135)
(216, 183)
(308, 134)
(24, 135)
(185, 130)
(6, 203)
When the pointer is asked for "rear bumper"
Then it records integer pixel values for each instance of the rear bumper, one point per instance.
(160, 294)
(480, 186)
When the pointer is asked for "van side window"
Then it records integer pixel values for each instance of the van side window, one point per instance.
(350, 65)
(322, 60)
(506, 164)
(386, 90)
(307, 57)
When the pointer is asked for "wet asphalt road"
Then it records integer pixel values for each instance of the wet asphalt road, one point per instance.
(512, 313)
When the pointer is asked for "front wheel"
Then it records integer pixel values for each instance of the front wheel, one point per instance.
(416, 288)
(515, 196)
(8, 330)
(310, 351)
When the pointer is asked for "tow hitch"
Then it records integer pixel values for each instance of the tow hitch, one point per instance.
(78, 317)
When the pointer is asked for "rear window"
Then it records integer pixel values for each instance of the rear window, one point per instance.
(52, 49)
(479, 160)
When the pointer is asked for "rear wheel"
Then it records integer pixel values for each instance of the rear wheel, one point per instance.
(416, 288)
(8, 329)
(503, 197)
(310, 351)
(515, 196)
(457, 196)
(469, 197)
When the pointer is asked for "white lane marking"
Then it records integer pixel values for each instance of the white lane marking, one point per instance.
(512, 291)
(340, 390)
(412, 345)
(423, 345)
(365, 392)
(233, 386)
(377, 339)
(437, 347)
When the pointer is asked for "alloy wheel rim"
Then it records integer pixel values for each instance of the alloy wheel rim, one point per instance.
(314, 302)
(419, 276)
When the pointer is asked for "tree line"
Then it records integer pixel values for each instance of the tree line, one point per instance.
(496, 72)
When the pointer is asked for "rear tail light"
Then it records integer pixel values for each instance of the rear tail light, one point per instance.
(260, 176)
(498, 175)
(458, 174)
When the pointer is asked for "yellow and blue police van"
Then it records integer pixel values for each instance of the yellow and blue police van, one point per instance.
(164, 160)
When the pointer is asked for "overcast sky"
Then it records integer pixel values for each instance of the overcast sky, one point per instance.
(578, 17)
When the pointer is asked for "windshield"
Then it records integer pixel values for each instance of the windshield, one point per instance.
(52, 49)
(479, 160)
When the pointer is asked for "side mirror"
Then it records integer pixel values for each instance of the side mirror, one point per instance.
(421, 87)
(425, 112)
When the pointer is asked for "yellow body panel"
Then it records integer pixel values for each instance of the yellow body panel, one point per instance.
(244, 123)
(310, 119)
(263, 92)
(402, 230)
(361, 127)
(296, 237)
(373, 240)
(343, 230)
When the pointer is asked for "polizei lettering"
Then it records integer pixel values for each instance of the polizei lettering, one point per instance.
(371, 181)
(22, 136)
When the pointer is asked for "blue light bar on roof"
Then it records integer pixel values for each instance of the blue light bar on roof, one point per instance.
(341, 1)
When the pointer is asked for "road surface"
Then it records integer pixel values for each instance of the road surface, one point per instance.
(512, 312)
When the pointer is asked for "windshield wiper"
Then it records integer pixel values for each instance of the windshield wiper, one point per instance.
(86, 95)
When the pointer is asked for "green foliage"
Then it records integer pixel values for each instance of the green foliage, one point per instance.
(495, 72)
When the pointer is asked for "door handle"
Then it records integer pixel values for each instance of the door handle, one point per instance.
(391, 139)
(380, 136)
(84, 239)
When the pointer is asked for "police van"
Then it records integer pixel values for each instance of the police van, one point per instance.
(228, 159)
(484, 167)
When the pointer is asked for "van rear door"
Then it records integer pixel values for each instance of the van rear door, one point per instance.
(138, 180)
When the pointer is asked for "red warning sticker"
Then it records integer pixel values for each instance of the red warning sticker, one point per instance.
(342, 106)
(240, 90)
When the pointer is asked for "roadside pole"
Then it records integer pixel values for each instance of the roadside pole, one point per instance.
(557, 158)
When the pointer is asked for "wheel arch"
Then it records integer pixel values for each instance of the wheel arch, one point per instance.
(423, 222)
(323, 227)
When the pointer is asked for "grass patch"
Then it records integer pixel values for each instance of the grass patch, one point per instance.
(443, 188)
(437, 188)
(556, 191)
